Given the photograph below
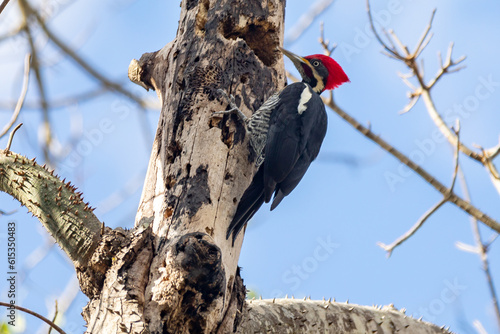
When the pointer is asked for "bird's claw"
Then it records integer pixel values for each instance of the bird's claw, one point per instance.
(232, 104)
(229, 98)
(223, 112)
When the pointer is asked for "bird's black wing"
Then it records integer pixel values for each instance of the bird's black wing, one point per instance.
(294, 140)
(284, 142)
(250, 202)
(297, 126)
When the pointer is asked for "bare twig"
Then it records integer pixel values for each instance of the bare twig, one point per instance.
(54, 318)
(403, 48)
(39, 316)
(479, 327)
(391, 50)
(20, 101)
(492, 240)
(47, 136)
(422, 43)
(11, 136)
(421, 221)
(410, 105)
(445, 191)
(306, 20)
(3, 213)
(481, 249)
(324, 42)
(457, 154)
(493, 152)
(80, 61)
(404, 78)
(466, 247)
(2, 6)
(448, 66)
(59, 103)
(414, 228)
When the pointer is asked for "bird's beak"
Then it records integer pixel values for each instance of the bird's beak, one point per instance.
(297, 60)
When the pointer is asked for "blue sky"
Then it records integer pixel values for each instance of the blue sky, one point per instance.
(321, 240)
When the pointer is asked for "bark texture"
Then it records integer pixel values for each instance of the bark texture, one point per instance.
(200, 166)
(309, 316)
(57, 204)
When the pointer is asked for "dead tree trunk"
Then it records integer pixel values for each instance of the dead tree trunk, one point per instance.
(199, 166)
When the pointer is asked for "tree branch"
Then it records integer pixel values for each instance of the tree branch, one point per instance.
(33, 313)
(309, 316)
(306, 20)
(20, 101)
(410, 59)
(414, 228)
(421, 221)
(47, 135)
(80, 61)
(11, 137)
(481, 249)
(2, 6)
(55, 203)
(445, 191)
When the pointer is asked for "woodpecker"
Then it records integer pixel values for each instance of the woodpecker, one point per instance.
(286, 133)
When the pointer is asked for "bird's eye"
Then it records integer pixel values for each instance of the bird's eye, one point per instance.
(316, 63)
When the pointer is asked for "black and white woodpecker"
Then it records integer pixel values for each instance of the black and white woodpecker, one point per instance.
(286, 133)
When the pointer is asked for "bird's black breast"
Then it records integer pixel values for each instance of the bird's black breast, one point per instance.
(296, 131)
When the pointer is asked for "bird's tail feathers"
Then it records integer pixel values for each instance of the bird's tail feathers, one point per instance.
(278, 197)
(250, 202)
